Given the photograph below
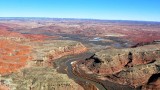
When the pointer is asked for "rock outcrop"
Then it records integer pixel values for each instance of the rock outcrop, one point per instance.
(153, 84)
(17, 49)
(37, 78)
(76, 48)
(131, 66)
(20, 54)
(45, 52)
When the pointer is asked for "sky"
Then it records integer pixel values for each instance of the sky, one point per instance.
(142, 10)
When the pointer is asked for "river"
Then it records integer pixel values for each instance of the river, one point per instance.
(64, 66)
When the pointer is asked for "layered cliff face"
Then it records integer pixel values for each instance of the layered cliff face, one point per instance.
(75, 48)
(45, 52)
(132, 66)
(136, 76)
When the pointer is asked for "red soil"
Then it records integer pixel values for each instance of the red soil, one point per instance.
(36, 37)
(33, 37)
(12, 56)
(5, 33)
(3, 87)
(139, 36)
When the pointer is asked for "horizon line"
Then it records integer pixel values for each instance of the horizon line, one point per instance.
(83, 19)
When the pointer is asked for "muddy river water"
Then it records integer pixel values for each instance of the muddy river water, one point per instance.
(64, 66)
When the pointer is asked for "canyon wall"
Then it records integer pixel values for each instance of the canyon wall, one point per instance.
(44, 53)
(132, 66)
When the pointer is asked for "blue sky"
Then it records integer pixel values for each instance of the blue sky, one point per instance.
(147, 10)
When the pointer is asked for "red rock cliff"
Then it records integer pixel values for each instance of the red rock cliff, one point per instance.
(132, 66)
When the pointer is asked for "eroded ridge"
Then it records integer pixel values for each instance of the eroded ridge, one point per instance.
(132, 66)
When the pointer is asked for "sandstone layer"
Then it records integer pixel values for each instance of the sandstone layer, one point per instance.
(132, 66)
(44, 53)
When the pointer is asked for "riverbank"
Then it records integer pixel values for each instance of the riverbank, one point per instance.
(64, 65)
(108, 85)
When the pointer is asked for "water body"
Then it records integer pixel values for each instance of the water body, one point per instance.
(66, 62)
(70, 74)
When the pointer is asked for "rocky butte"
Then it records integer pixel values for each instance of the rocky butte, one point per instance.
(139, 66)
